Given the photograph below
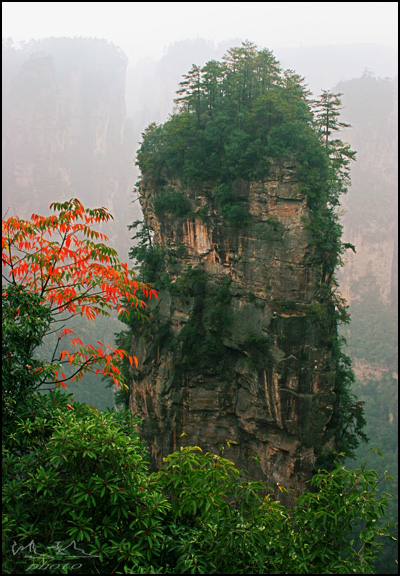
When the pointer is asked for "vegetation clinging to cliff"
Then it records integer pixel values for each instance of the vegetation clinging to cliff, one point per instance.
(235, 118)
(234, 121)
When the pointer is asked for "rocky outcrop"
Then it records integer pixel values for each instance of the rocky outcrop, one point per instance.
(238, 351)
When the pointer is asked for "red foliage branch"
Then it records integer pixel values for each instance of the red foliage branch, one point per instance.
(68, 263)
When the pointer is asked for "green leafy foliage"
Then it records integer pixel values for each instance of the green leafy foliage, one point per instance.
(171, 201)
(222, 524)
(150, 258)
(236, 214)
(81, 477)
(25, 321)
(76, 475)
(348, 418)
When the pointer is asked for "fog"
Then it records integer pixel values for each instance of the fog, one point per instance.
(146, 29)
(82, 80)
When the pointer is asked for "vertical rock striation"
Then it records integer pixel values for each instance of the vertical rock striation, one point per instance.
(236, 350)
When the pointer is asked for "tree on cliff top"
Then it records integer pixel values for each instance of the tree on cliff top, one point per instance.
(228, 115)
(233, 120)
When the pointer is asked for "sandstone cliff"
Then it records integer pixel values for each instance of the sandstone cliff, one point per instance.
(236, 351)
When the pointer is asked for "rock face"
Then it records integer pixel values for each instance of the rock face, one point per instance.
(236, 351)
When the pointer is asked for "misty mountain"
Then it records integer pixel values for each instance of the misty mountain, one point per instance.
(73, 115)
(324, 67)
(65, 132)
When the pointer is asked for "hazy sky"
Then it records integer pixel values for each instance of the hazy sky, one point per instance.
(144, 29)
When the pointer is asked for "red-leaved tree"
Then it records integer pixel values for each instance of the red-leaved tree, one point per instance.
(69, 265)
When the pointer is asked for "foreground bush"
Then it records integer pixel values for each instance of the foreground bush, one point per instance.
(78, 498)
(79, 479)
